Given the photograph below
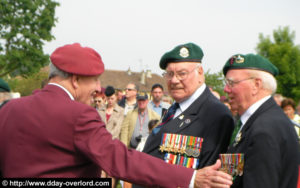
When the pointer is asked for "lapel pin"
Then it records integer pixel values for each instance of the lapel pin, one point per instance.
(187, 121)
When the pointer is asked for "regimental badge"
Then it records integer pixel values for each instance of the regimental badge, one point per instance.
(181, 117)
(187, 121)
(239, 59)
(181, 149)
(232, 163)
(237, 139)
(184, 52)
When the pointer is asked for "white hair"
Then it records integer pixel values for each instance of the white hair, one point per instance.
(268, 80)
(54, 71)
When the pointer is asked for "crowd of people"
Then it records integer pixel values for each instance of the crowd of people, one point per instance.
(197, 139)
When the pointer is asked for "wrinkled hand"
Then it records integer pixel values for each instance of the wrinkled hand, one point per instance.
(210, 177)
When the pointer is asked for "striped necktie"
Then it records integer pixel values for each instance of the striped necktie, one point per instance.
(235, 131)
(167, 117)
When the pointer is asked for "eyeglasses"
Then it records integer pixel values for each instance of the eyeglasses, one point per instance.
(231, 83)
(129, 89)
(181, 75)
(97, 101)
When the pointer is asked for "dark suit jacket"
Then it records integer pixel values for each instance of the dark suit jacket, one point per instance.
(270, 146)
(210, 119)
(49, 135)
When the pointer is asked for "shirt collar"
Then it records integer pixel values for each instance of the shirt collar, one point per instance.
(70, 95)
(246, 115)
(152, 103)
(185, 104)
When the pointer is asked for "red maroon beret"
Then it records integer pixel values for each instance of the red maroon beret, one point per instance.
(75, 59)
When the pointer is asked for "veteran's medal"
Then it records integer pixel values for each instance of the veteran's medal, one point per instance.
(232, 164)
(237, 139)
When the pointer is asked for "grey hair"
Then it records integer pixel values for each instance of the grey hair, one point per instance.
(268, 80)
(54, 71)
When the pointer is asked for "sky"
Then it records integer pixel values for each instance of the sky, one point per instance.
(136, 33)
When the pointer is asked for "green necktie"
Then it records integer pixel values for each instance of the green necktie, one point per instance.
(235, 131)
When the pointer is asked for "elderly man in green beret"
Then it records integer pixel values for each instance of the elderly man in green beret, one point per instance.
(264, 136)
(4, 92)
(197, 127)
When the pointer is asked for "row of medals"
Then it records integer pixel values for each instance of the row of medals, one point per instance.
(235, 169)
(189, 150)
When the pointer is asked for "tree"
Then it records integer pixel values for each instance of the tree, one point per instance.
(285, 55)
(216, 81)
(24, 27)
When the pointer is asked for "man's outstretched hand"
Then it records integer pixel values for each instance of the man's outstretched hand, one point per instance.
(210, 177)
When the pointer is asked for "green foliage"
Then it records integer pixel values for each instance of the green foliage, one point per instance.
(24, 27)
(25, 86)
(216, 81)
(283, 53)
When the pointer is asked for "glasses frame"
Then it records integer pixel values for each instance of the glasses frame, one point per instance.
(169, 75)
(232, 83)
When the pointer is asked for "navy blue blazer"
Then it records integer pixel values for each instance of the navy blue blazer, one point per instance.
(271, 150)
(207, 118)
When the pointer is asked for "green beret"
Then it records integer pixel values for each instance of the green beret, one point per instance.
(189, 52)
(250, 61)
(4, 86)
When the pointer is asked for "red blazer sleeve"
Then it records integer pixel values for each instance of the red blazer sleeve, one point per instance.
(95, 142)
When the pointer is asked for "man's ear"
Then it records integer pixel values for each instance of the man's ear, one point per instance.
(74, 81)
(200, 70)
(257, 85)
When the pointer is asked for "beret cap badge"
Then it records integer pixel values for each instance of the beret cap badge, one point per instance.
(184, 52)
(239, 59)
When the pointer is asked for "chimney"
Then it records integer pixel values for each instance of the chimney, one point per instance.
(129, 71)
(143, 78)
(148, 73)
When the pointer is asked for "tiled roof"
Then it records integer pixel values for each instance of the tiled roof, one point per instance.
(119, 79)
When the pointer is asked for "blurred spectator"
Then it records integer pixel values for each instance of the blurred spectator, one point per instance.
(119, 95)
(135, 124)
(152, 123)
(111, 113)
(129, 102)
(278, 98)
(99, 100)
(289, 107)
(156, 103)
(167, 99)
(5, 94)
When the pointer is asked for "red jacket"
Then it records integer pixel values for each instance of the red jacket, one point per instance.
(50, 135)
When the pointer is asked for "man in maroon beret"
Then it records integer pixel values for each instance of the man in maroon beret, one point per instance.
(61, 135)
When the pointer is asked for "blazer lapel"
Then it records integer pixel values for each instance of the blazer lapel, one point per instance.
(265, 106)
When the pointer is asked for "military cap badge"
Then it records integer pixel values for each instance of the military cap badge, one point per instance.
(184, 52)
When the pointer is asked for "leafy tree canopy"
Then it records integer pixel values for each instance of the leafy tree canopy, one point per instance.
(24, 27)
(283, 53)
(215, 81)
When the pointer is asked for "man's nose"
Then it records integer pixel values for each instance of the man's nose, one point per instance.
(227, 88)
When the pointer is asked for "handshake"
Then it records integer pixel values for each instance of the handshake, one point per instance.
(211, 176)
